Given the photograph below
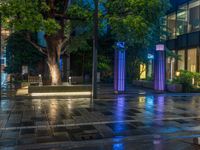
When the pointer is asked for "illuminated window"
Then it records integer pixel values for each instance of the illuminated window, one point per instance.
(143, 71)
(182, 20)
(181, 62)
(163, 26)
(192, 60)
(194, 16)
(171, 25)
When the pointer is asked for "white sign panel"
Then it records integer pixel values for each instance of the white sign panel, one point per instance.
(24, 69)
(160, 47)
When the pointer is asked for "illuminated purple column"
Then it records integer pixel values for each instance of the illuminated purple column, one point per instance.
(119, 68)
(159, 66)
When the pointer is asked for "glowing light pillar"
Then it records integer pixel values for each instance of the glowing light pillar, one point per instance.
(159, 73)
(119, 68)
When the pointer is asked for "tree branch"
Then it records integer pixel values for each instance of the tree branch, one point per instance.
(64, 46)
(42, 50)
(69, 18)
(66, 4)
(64, 42)
(64, 50)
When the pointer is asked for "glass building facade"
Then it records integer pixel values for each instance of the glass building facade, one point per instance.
(183, 28)
(185, 19)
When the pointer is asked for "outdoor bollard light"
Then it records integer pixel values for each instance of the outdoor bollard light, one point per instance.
(70, 80)
(159, 73)
(40, 80)
(178, 73)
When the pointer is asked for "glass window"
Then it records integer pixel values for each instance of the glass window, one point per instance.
(143, 70)
(171, 25)
(170, 67)
(194, 16)
(182, 20)
(192, 60)
(181, 62)
(163, 26)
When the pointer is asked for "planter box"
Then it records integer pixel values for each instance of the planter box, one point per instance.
(143, 83)
(73, 90)
(148, 84)
(49, 89)
(175, 88)
(24, 84)
(137, 83)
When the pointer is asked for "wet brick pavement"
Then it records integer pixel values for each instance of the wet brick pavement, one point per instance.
(116, 122)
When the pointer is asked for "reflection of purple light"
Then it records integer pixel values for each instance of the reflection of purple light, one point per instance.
(119, 115)
(118, 139)
(118, 146)
(119, 70)
(149, 110)
(160, 105)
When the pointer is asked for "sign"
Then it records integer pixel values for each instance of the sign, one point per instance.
(24, 70)
(160, 47)
(121, 44)
(150, 56)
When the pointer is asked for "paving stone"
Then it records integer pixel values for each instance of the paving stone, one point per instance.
(73, 119)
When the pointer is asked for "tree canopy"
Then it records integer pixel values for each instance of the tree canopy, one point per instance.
(132, 20)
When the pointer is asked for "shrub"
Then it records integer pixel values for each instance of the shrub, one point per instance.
(196, 79)
(185, 79)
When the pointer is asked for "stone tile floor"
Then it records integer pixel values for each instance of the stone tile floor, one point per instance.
(120, 122)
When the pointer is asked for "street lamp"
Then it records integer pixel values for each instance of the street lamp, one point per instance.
(95, 46)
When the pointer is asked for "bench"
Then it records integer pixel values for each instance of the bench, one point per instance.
(76, 79)
(35, 80)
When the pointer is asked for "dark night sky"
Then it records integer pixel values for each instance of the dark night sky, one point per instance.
(177, 2)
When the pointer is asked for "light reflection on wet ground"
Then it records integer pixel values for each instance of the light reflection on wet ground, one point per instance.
(154, 118)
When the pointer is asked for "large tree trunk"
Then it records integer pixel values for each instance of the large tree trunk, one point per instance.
(55, 73)
(53, 54)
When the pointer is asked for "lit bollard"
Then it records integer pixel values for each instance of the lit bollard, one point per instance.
(70, 80)
(40, 80)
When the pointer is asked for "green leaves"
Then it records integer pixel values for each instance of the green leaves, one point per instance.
(104, 64)
(20, 52)
(28, 15)
(170, 54)
(131, 20)
(50, 26)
